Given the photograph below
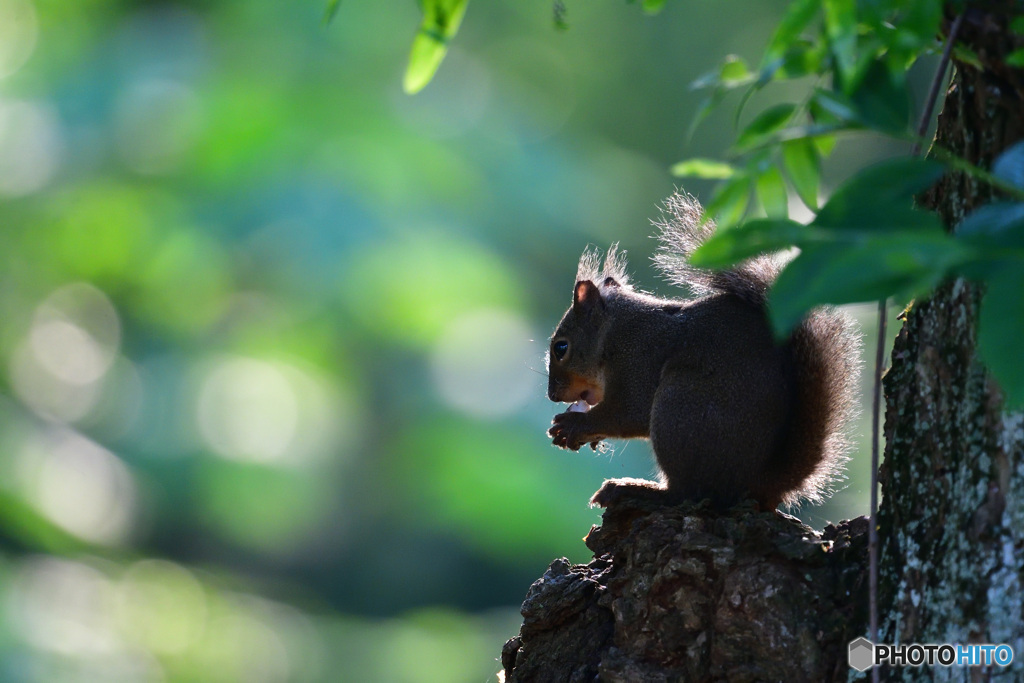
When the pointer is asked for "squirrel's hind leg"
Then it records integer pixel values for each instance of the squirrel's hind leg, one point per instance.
(713, 433)
(615, 491)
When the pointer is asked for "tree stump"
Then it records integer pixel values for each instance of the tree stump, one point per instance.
(687, 594)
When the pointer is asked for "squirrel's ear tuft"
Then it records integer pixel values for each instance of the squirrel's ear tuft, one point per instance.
(586, 295)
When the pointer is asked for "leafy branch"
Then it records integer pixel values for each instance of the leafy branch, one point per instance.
(867, 242)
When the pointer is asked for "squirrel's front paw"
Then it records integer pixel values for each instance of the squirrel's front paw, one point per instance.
(569, 430)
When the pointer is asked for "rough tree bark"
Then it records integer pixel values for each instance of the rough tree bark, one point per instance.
(680, 594)
(684, 594)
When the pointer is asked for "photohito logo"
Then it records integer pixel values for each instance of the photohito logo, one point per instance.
(864, 654)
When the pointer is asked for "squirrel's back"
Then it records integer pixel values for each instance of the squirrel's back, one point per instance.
(825, 348)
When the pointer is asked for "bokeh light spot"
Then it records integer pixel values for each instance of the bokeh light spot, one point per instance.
(248, 410)
(432, 643)
(68, 352)
(29, 147)
(76, 333)
(424, 282)
(63, 606)
(242, 646)
(70, 347)
(78, 485)
(19, 30)
(46, 394)
(481, 363)
(162, 606)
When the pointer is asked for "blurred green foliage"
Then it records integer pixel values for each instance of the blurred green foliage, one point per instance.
(272, 403)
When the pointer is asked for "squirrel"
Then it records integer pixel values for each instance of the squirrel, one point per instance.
(731, 412)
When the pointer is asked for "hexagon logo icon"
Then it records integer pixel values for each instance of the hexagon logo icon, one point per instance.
(862, 654)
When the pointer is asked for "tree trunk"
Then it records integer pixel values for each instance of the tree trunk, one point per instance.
(952, 516)
(679, 594)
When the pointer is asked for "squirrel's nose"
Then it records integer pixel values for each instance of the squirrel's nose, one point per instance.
(554, 389)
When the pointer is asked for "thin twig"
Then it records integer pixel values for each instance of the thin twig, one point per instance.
(873, 528)
(933, 92)
(922, 128)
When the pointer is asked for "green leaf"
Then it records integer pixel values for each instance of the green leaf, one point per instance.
(995, 225)
(1010, 166)
(902, 264)
(832, 107)
(734, 72)
(424, 60)
(765, 75)
(880, 197)
(798, 15)
(559, 15)
(763, 78)
(1001, 329)
(759, 236)
(964, 54)
(802, 59)
(917, 27)
(1017, 25)
(800, 159)
(771, 191)
(704, 168)
(441, 20)
(881, 98)
(653, 6)
(1015, 58)
(824, 144)
(764, 124)
(729, 203)
(812, 132)
(704, 109)
(841, 29)
(331, 10)
(707, 79)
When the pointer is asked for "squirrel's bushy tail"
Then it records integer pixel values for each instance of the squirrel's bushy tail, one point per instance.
(680, 232)
(826, 353)
(825, 347)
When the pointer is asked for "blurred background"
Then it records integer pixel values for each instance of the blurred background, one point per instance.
(272, 333)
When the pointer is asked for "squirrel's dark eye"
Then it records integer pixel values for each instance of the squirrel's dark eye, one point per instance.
(559, 348)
